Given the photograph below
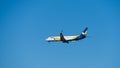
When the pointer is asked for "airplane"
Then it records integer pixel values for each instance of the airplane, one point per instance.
(67, 39)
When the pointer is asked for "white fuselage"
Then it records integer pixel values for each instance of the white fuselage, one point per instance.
(57, 38)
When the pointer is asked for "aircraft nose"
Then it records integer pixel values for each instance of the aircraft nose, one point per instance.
(47, 39)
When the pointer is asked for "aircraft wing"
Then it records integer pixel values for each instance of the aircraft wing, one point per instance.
(63, 39)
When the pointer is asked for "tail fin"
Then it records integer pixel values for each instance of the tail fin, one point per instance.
(83, 34)
(85, 31)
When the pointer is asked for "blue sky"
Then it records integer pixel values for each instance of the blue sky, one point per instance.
(24, 26)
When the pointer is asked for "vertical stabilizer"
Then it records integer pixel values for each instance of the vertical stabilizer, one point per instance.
(84, 33)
